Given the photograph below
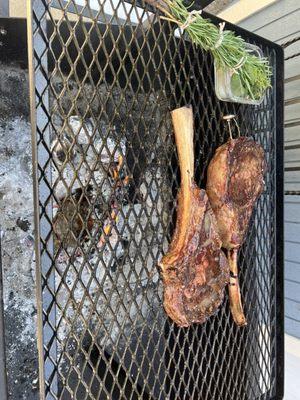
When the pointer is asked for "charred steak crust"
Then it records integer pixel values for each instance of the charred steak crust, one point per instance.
(196, 273)
(235, 179)
(234, 182)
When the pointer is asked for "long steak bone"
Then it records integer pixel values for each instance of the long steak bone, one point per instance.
(234, 182)
(195, 270)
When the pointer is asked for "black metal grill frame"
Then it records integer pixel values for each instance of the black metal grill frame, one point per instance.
(212, 361)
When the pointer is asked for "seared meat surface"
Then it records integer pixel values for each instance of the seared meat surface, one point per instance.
(234, 182)
(195, 270)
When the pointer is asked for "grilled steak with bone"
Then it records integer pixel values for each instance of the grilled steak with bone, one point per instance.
(234, 182)
(195, 270)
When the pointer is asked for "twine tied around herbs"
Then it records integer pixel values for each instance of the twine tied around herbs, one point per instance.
(193, 16)
(190, 19)
(226, 47)
(221, 35)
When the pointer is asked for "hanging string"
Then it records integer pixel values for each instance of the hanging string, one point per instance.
(228, 119)
(190, 19)
(237, 126)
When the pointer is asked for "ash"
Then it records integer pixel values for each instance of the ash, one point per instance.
(17, 235)
(108, 286)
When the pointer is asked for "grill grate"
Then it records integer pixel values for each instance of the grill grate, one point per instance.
(107, 175)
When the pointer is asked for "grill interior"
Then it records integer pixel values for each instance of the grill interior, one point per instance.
(107, 178)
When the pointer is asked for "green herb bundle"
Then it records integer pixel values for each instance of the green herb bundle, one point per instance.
(228, 50)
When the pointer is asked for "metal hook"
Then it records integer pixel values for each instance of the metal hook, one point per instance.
(228, 118)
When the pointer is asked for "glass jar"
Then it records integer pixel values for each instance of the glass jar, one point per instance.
(228, 86)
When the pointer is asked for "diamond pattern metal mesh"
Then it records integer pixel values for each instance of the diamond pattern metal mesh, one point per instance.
(108, 175)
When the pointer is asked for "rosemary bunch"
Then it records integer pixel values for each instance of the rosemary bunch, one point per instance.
(228, 50)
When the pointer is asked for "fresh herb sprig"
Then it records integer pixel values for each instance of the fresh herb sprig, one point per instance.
(228, 50)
